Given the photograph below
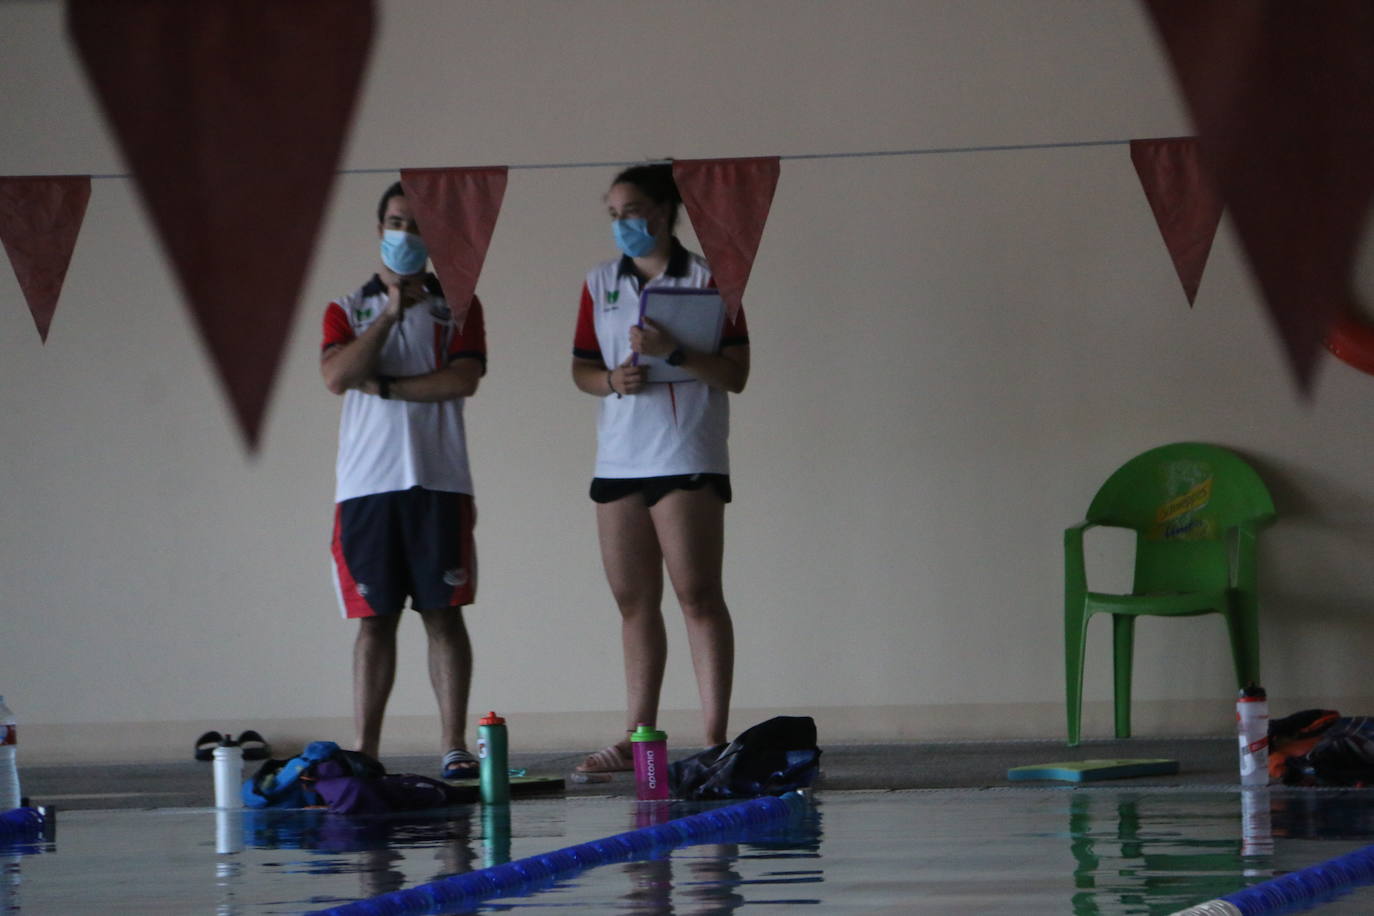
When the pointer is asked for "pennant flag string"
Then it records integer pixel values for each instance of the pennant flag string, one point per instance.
(857, 154)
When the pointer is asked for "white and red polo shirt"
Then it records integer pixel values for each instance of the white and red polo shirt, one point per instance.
(668, 428)
(387, 445)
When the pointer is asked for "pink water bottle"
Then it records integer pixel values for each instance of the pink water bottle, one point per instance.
(651, 763)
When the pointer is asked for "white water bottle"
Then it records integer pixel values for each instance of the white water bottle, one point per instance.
(9, 770)
(1252, 731)
(228, 762)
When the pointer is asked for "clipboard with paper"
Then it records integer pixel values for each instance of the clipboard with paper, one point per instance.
(695, 318)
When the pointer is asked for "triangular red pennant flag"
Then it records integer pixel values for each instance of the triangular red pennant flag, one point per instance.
(1282, 95)
(40, 217)
(231, 115)
(728, 202)
(1185, 201)
(456, 210)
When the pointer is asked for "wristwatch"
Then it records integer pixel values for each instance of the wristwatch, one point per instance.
(384, 386)
(676, 358)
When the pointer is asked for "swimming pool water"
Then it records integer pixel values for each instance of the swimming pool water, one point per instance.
(1020, 851)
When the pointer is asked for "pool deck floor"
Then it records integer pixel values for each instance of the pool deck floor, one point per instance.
(874, 767)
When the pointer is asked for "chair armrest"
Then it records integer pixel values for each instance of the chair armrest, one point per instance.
(1075, 569)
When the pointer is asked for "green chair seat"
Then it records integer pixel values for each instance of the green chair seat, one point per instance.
(1196, 510)
(1162, 604)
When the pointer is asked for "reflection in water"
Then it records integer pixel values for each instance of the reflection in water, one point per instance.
(715, 880)
(380, 842)
(12, 853)
(9, 881)
(380, 851)
(228, 831)
(651, 880)
(711, 887)
(495, 835)
(1172, 854)
(1256, 823)
(228, 875)
(1159, 852)
(1124, 851)
(651, 887)
(1323, 814)
(1136, 852)
(712, 883)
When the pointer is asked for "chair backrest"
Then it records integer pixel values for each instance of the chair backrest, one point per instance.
(1182, 500)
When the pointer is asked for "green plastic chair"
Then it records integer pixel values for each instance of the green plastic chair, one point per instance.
(1196, 510)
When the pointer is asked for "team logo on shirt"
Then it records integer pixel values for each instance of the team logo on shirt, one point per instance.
(611, 296)
(456, 577)
(361, 589)
(362, 313)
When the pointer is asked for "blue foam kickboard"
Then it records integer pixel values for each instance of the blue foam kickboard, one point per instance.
(1089, 770)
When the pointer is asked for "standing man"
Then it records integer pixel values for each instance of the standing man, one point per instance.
(404, 513)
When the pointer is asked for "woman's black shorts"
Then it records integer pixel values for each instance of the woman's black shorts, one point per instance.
(609, 489)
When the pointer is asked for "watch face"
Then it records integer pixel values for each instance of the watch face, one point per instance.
(675, 358)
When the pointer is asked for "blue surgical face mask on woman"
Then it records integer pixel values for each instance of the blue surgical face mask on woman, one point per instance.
(632, 236)
(404, 252)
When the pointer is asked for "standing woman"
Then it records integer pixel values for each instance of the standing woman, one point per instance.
(662, 464)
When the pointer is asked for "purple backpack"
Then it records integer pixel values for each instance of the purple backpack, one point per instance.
(346, 793)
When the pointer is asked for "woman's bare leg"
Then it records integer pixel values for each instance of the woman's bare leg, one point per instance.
(634, 570)
(691, 534)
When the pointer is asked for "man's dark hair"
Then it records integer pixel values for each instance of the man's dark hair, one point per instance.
(394, 191)
(656, 182)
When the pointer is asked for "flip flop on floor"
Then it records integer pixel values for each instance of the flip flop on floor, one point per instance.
(610, 759)
(206, 744)
(254, 747)
(459, 764)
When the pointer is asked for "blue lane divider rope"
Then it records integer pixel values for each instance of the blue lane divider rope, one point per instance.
(536, 872)
(1301, 888)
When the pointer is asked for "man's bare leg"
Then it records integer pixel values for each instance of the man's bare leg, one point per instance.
(374, 671)
(450, 671)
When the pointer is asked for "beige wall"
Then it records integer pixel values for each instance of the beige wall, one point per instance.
(950, 354)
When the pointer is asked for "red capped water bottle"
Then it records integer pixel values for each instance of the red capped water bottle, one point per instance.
(651, 763)
(1252, 730)
(9, 769)
(493, 760)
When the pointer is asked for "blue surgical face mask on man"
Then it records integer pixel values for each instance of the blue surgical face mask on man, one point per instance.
(632, 236)
(404, 252)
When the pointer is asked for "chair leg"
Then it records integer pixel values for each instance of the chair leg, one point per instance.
(1242, 621)
(1075, 637)
(1123, 650)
